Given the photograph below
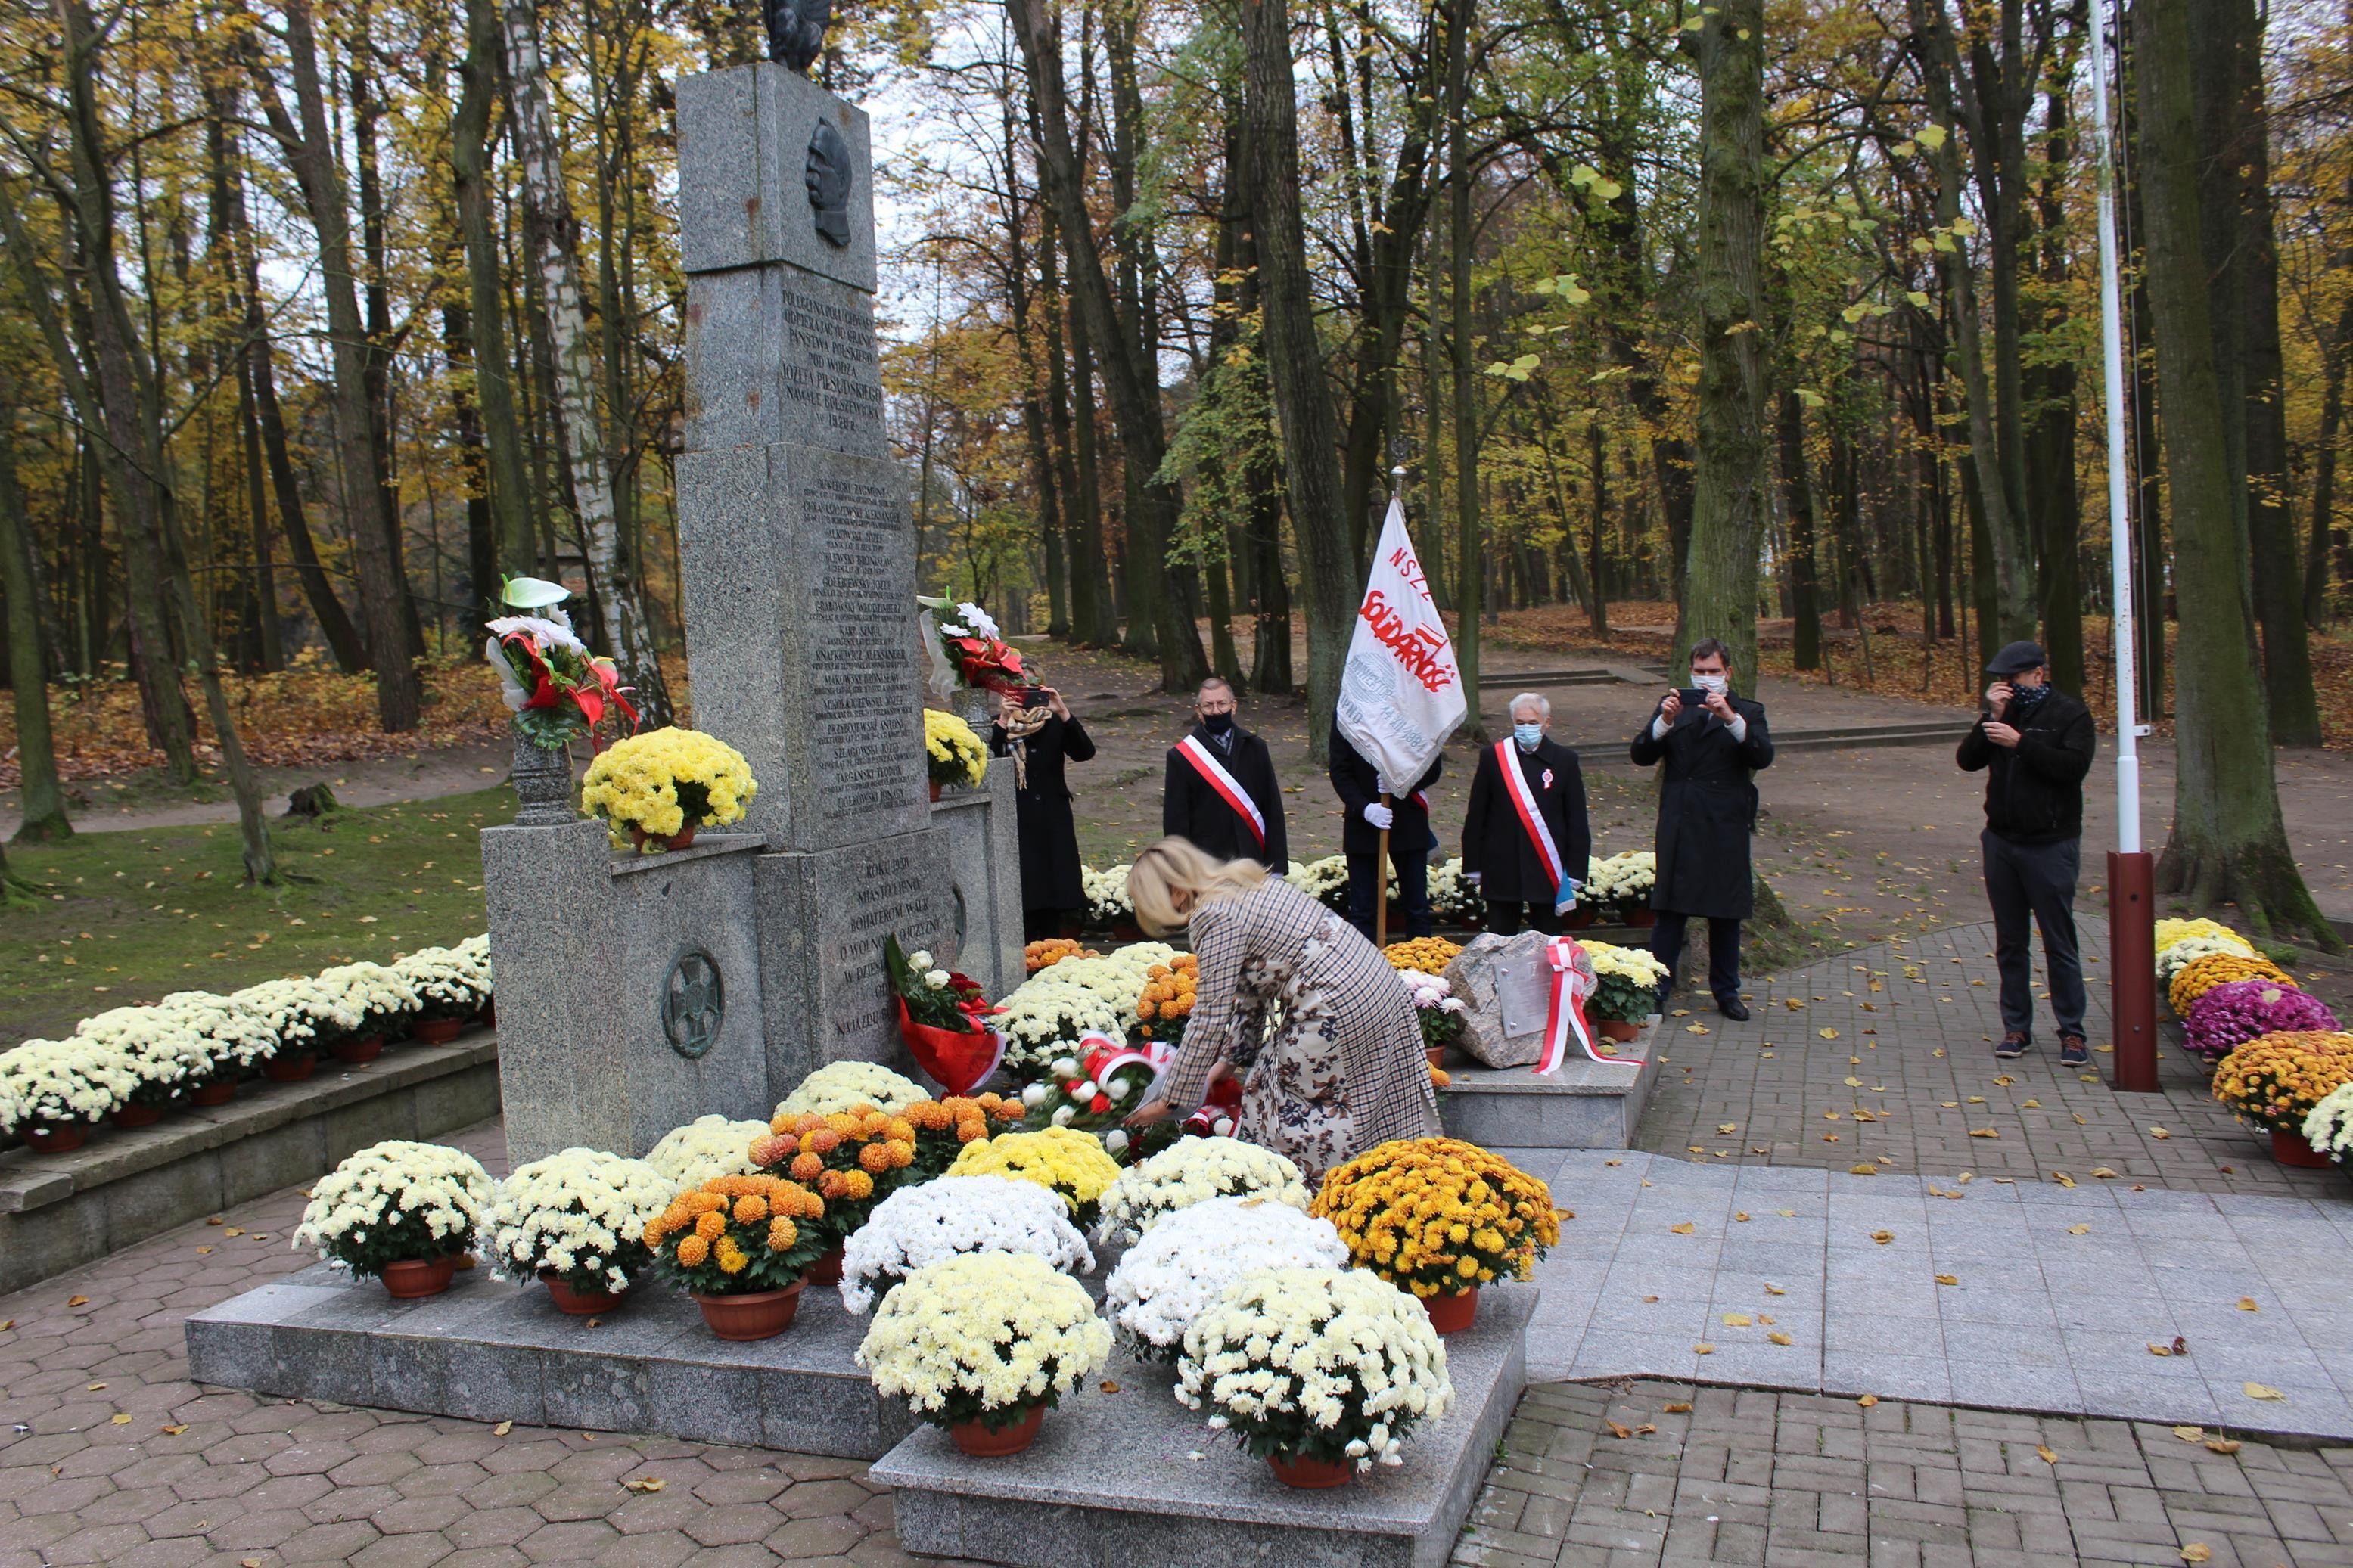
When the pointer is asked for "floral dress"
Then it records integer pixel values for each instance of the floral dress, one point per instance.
(1315, 1019)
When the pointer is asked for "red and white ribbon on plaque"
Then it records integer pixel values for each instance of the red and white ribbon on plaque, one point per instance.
(1205, 763)
(1572, 982)
(1531, 820)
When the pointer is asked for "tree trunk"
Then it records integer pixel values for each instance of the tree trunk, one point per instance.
(2055, 504)
(1328, 569)
(2228, 842)
(43, 803)
(1092, 624)
(2242, 267)
(310, 150)
(2324, 476)
(1805, 606)
(1131, 378)
(1471, 553)
(516, 552)
(553, 236)
(1728, 501)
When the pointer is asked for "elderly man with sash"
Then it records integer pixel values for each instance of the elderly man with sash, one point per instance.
(1220, 791)
(1525, 840)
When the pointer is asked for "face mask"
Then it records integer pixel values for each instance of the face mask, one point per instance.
(1718, 684)
(2027, 699)
(1217, 723)
(1527, 735)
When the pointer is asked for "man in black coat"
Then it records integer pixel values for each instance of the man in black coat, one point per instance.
(1707, 809)
(1221, 757)
(2035, 743)
(1407, 816)
(1500, 855)
(1037, 739)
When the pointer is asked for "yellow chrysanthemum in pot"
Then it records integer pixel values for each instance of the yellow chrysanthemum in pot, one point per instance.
(655, 789)
(952, 751)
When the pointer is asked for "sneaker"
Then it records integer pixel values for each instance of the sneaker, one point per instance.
(2013, 1046)
(2073, 1051)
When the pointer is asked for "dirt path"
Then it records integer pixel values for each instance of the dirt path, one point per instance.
(140, 800)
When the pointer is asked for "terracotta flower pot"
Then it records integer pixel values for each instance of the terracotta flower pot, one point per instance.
(56, 1138)
(414, 1277)
(1308, 1474)
(137, 1115)
(436, 1031)
(220, 1091)
(935, 790)
(2292, 1148)
(981, 1443)
(1617, 1028)
(679, 840)
(489, 1016)
(290, 1069)
(1641, 917)
(1581, 917)
(825, 1270)
(1436, 1055)
(358, 1053)
(578, 1303)
(754, 1315)
(1451, 1312)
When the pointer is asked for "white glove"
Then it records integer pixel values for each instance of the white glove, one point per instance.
(1379, 816)
(1565, 905)
(1473, 877)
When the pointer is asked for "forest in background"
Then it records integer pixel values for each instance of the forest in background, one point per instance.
(315, 318)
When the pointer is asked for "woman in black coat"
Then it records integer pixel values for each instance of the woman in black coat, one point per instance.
(1038, 739)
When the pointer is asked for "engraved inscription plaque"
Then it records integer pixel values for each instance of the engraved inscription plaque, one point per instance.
(828, 368)
(894, 894)
(860, 641)
(1524, 996)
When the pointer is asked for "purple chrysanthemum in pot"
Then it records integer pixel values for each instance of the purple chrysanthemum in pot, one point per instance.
(2237, 1011)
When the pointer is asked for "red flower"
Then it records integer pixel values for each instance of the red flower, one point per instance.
(1100, 1104)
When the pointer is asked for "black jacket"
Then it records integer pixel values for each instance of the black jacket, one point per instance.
(1049, 837)
(1707, 809)
(1190, 808)
(1358, 783)
(1494, 841)
(2034, 793)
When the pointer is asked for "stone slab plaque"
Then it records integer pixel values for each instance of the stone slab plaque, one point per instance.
(822, 918)
(777, 355)
(1523, 990)
(799, 575)
(743, 136)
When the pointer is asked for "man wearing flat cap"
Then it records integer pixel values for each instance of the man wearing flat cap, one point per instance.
(2034, 743)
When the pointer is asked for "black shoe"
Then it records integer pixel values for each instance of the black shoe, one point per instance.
(1733, 1008)
(2073, 1051)
(2013, 1046)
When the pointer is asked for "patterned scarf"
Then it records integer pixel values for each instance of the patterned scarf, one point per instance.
(1023, 723)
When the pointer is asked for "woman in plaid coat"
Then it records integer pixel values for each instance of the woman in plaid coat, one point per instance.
(1294, 999)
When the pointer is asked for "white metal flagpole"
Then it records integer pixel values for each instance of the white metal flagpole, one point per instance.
(2131, 875)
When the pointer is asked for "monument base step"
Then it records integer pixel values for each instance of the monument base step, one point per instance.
(1130, 1477)
(1582, 1105)
(489, 1350)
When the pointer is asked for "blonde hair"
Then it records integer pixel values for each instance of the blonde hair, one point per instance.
(1174, 865)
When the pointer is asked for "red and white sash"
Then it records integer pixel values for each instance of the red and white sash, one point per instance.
(1572, 982)
(1531, 818)
(1205, 763)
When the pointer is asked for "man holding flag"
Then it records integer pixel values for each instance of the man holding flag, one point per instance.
(1220, 790)
(1400, 698)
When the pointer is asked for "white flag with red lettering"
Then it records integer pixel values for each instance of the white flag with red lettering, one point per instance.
(1401, 695)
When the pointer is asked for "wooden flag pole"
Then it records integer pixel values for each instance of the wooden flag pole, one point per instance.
(1381, 886)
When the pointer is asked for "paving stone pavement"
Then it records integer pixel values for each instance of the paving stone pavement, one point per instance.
(1665, 1473)
(1908, 1083)
(2018, 1296)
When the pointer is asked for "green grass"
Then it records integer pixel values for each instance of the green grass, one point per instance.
(130, 916)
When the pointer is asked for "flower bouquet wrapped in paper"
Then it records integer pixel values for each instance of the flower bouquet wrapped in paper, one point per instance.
(944, 1019)
(966, 650)
(554, 686)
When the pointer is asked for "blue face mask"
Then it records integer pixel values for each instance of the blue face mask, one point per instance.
(1527, 735)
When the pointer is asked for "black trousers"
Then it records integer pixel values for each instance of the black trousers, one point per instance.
(1039, 925)
(1723, 952)
(1413, 888)
(1509, 920)
(2035, 881)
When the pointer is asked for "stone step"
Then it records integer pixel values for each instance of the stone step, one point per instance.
(1539, 679)
(1131, 1478)
(488, 1351)
(1583, 1104)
